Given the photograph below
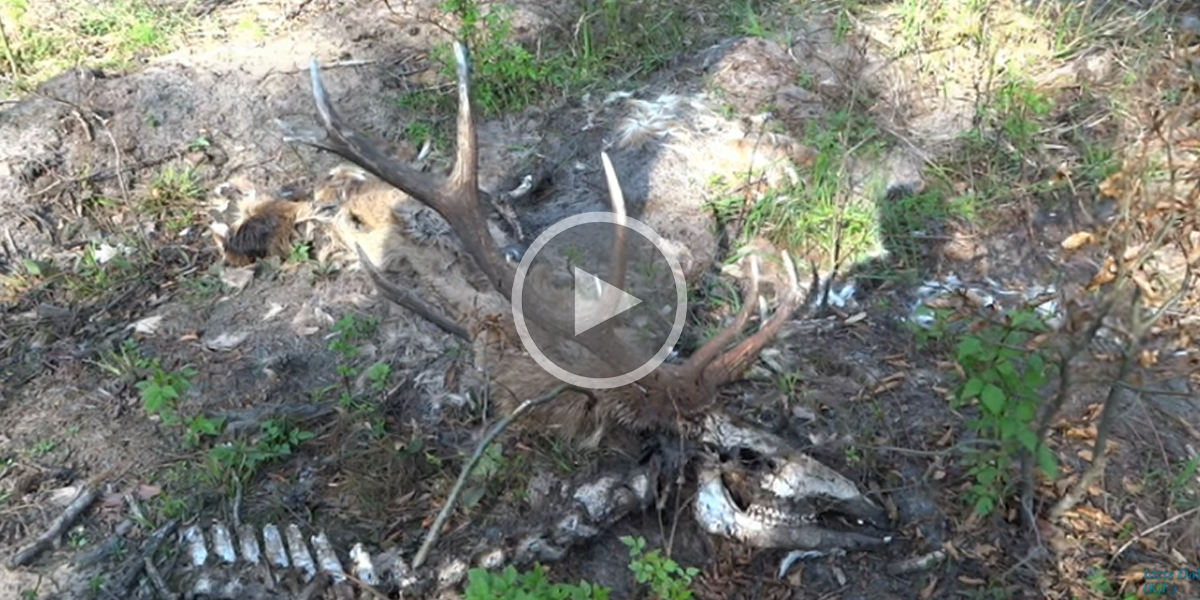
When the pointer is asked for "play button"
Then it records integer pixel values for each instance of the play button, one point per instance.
(596, 301)
(584, 320)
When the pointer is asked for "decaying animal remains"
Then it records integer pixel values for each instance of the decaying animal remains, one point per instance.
(677, 397)
(667, 398)
(261, 227)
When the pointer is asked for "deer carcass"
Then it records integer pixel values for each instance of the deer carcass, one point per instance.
(680, 398)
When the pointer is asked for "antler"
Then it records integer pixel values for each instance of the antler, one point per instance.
(457, 200)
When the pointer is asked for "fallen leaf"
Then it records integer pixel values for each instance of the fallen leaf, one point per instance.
(963, 579)
(1085, 455)
(274, 310)
(927, 591)
(1112, 186)
(1131, 486)
(227, 341)
(856, 318)
(1107, 273)
(146, 491)
(147, 326)
(237, 279)
(1078, 240)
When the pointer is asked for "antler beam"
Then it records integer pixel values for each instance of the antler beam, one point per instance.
(457, 199)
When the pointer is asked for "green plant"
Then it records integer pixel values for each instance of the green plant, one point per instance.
(236, 462)
(508, 75)
(162, 389)
(161, 392)
(529, 585)
(1004, 375)
(667, 580)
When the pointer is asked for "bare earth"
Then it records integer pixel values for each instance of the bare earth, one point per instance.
(863, 396)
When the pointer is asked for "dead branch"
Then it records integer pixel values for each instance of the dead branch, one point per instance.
(1139, 328)
(435, 530)
(122, 585)
(82, 501)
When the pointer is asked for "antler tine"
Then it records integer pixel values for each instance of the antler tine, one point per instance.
(406, 299)
(465, 176)
(730, 364)
(619, 261)
(455, 199)
(708, 352)
(348, 144)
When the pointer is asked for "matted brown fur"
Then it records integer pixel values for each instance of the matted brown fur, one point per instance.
(266, 231)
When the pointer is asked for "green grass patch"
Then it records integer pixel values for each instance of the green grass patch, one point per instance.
(614, 42)
(41, 39)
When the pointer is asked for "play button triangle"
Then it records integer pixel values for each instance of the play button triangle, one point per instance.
(597, 301)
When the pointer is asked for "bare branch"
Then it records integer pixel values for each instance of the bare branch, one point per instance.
(431, 537)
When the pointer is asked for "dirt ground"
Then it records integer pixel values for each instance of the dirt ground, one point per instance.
(79, 155)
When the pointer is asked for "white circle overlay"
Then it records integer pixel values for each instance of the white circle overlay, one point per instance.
(600, 383)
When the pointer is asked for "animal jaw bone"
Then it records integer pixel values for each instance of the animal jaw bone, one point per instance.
(783, 500)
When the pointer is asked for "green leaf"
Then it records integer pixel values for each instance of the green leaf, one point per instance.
(992, 398)
(1028, 439)
(1047, 461)
(1008, 429)
(1036, 363)
(969, 347)
(972, 388)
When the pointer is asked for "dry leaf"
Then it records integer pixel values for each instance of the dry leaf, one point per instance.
(1078, 240)
(148, 326)
(948, 546)
(856, 318)
(146, 491)
(1107, 273)
(1085, 455)
(944, 441)
(927, 591)
(963, 579)
(1112, 186)
(1131, 486)
(227, 341)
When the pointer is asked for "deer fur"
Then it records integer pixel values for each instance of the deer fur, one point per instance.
(261, 228)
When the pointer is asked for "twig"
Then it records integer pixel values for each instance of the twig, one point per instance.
(917, 563)
(74, 509)
(121, 585)
(435, 530)
(1126, 545)
(1054, 407)
(365, 587)
(1140, 327)
(12, 59)
(156, 579)
(101, 176)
